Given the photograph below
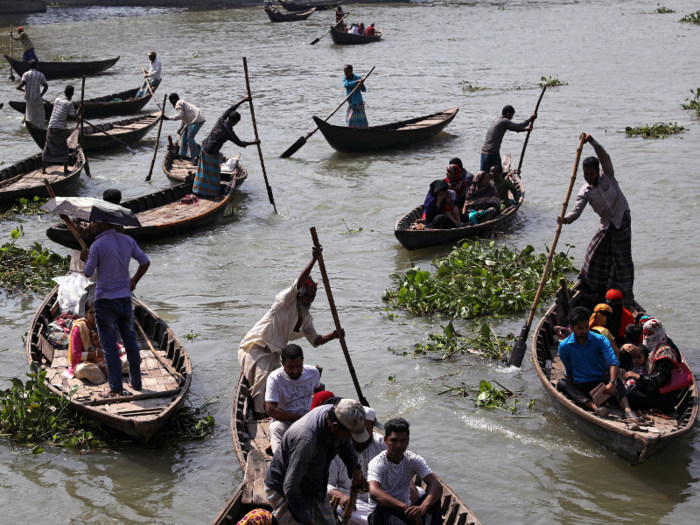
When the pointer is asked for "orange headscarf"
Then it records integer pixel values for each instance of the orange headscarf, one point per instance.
(598, 318)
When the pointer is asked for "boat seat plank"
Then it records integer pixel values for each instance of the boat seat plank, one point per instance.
(254, 480)
(259, 432)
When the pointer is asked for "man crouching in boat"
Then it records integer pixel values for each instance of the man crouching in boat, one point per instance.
(288, 319)
(295, 483)
(589, 360)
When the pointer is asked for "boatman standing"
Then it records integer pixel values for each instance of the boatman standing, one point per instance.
(192, 121)
(491, 150)
(151, 77)
(32, 81)
(608, 262)
(356, 116)
(56, 147)
(288, 319)
(27, 45)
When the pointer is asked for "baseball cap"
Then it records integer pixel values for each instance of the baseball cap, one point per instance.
(352, 416)
(371, 415)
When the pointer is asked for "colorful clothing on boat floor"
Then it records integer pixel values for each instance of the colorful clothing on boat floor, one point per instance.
(356, 116)
(207, 180)
(257, 517)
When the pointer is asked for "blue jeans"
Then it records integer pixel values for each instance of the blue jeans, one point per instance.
(488, 160)
(144, 87)
(187, 139)
(116, 316)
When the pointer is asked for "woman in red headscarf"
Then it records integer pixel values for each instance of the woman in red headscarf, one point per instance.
(620, 317)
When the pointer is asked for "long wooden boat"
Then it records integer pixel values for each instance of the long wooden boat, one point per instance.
(276, 16)
(126, 104)
(251, 438)
(24, 178)
(161, 215)
(413, 239)
(387, 136)
(180, 168)
(319, 6)
(342, 38)
(56, 70)
(138, 416)
(634, 444)
(129, 131)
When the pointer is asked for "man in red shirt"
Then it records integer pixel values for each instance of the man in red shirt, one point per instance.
(370, 30)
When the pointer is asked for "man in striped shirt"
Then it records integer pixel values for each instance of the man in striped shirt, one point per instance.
(56, 147)
(32, 81)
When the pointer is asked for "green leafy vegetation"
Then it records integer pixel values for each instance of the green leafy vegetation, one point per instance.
(468, 87)
(189, 424)
(655, 131)
(351, 231)
(195, 56)
(28, 269)
(25, 207)
(692, 18)
(482, 341)
(392, 379)
(475, 280)
(660, 10)
(552, 82)
(693, 103)
(192, 336)
(62, 58)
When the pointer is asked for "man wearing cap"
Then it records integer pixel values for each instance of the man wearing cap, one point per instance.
(339, 483)
(32, 82)
(297, 479)
(152, 77)
(27, 44)
(288, 319)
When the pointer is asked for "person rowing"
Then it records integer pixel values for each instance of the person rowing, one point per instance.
(356, 116)
(152, 76)
(27, 44)
(192, 121)
(491, 150)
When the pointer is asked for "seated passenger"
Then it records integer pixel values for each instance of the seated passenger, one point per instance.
(434, 215)
(290, 391)
(481, 203)
(361, 29)
(354, 30)
(620, 318)
(458, 180)
(503, 185)
(450, 208)
(390, 475)
(634, 333)
(589, 360)
(598, 323)
(370, 30)
(112, 196)
(339, 484)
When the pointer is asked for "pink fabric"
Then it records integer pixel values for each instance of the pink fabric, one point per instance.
(77, 345)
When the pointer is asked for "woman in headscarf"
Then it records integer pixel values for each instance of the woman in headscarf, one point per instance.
(481, 203)
(620, 318)
(660, 364)
(598, 323)
(434, 215)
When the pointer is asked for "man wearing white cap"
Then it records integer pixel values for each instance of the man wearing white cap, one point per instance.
(297, 479)
(153, 75)
(339, 483)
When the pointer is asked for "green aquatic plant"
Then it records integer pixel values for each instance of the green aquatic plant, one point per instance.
(552, 82)
(25, 206)
(481, 341)
(351, 231)
(693, 103)
(655, 131)
(190, 423)
(660, 10)
(478, 279)
(490, 396)
(692, 18)
(192, 335)
(468, 87)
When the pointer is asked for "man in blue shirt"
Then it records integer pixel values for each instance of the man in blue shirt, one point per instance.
(589, 361)
(356, 116)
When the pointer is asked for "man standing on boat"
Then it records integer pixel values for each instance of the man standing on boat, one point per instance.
(27, 44)
(32, 81)
(192, 121)
(152, 77)
(56, 148)
(491, 150)
(356, 116)
(608, 263)
(288, 319)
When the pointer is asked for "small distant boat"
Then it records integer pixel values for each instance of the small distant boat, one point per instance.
(386, 136)
(342, 38)
(276, 16)
(60, 69)
(125, 104)
(319, 6)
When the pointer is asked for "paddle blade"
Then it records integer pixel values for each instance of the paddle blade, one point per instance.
(518, 352)
(315, 42)
(294, 148)
(87, 169)
(130, 150)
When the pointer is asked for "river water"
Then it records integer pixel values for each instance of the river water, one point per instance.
(623, 68)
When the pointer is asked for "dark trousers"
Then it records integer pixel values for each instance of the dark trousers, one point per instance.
(579, 393)
(386, 516)
(115, 317)
(441, 222)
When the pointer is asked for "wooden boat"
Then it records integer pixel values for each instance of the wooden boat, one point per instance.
(56, 70)
(413, 239)
(129, 131)
(138, 416)
(634, 445)
(24, 178)
(276, 16)
(179, 168)
(342, 38)
(99, 107)
(251, 438)
(161, 215)
(319, 6)
(387, 136)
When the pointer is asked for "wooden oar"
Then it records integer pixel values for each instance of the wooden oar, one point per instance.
(69, 224)
(111, 136)
(255, 128)
(177, 375)
(518, 351)
(82, 130)
(334, 25)
(12, 72)
(354, 491)
(155, 150)
(527, 137)
(302, 140)
(150, 89)
(336, 320)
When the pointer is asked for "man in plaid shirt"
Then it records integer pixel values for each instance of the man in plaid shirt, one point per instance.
(32, 81)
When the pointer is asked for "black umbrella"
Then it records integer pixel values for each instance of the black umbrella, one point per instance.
(93, 210)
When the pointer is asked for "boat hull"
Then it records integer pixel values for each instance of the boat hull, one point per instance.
(58, 70)
(341, 38)
(276, 16)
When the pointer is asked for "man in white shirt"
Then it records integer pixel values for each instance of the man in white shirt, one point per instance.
(32, 82)
(389, 476)
(151, 77)
(290, 391)
(56, 147)
(354, 30)
(288, 319)
(192, 121)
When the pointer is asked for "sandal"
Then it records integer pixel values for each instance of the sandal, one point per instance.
(631, 416)
(107, 394)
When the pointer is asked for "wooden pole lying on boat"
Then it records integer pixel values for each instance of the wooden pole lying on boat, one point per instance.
(177, 375)
(155, 150)
(527, 137)
(354, 491)
(302, 140)
(334, 25)
(12, 72)
(150, 89)
(336, 320)
(70, 225)
(518, 351)
(111, 136)
(255, 128)
(82, 129)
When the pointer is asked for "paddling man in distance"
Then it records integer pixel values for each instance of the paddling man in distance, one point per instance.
(56, 148)
(608, 263)
(288, 319)
(32, 81)
(491, 150)
(151, 77)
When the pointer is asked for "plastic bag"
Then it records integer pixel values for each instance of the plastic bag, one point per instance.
(70, 292)
(229, 166)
